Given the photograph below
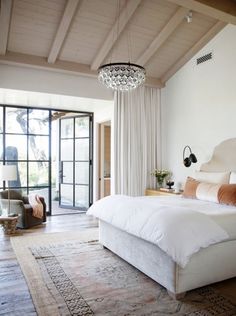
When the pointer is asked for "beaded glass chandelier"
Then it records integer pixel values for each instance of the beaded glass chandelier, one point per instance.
(121, 76)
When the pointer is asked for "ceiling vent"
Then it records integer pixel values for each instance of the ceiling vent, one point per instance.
(204, 58)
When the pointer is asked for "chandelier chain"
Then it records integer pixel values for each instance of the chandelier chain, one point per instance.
(121, 76)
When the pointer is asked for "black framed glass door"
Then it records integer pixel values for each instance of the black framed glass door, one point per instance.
(29, 139)
(25, 143)
(75, 161)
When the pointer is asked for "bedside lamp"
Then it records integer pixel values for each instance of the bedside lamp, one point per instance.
(187, 161)
(8, 173)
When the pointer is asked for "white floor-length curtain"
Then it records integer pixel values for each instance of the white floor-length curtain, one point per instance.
(137, 140)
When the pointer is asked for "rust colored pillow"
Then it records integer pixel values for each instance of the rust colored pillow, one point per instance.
(218, 193)
(227, 194)
(190, 188)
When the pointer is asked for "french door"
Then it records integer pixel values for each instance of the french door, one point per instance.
(75, 161)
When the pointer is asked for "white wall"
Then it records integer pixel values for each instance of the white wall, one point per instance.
(49, 100)
(39, 80)
(199, 105)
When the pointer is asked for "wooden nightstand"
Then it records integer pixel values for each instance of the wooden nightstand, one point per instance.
(159, 192)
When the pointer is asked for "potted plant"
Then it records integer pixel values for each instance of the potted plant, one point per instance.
(160, 175)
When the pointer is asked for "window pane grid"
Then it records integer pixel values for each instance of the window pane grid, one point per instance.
(66, 138)
(26, 145)
(28, 134)
(30, 187)
(19, 122)
(79, 136)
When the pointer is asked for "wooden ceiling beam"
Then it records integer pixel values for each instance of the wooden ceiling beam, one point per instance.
(62, 30)
(222, 10)
(193, 50)
(5, 20)
(112, 36)
(168, 29)
(36, 62)
(61, 66)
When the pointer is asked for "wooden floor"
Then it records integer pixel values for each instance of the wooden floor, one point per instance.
(15, 298)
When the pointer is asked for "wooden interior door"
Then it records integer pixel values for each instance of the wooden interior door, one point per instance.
(105, 159)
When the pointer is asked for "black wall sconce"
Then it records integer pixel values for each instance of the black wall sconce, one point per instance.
(188, 160)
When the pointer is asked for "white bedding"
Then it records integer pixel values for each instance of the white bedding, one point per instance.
(179, 226)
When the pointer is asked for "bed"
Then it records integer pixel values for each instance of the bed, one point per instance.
(210, 264)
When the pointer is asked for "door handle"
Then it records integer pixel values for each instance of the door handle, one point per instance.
(61, 176)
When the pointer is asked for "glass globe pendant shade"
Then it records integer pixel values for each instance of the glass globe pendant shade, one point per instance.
(121, 76)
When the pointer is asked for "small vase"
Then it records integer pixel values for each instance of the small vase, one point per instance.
(159, 183)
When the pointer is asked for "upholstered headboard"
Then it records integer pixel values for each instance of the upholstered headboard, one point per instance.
(223, 158)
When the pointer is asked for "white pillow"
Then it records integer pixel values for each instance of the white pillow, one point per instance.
(232, 178)
(212, 177)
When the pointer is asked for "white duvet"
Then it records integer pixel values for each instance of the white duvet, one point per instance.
(177, 229)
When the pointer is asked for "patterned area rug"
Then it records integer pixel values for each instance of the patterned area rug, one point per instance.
(82, 278)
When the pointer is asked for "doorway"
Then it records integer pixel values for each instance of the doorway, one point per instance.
(104, 159)
(71, 162)
(75, 162)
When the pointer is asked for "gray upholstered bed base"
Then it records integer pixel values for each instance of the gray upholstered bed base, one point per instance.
(213, 264)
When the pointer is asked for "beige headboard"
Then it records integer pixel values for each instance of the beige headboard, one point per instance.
(223, 158)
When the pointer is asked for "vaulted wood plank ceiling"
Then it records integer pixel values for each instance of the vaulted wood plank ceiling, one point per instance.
(79, 35)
